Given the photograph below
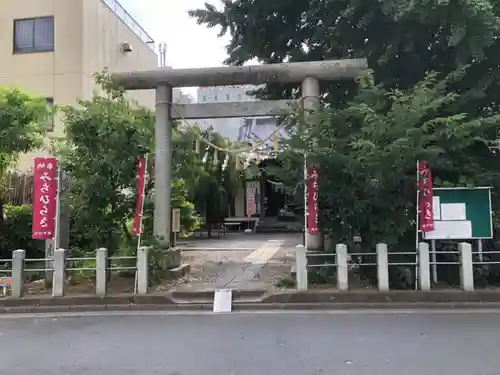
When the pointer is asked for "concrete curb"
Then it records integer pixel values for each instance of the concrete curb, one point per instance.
(254, 307)
(117, 300)
(257, 299)
(373, 296)
(257, 294)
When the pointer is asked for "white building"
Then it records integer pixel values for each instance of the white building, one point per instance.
(248, 129)
(180, 97)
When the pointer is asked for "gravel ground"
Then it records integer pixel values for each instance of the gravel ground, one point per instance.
(210, 267)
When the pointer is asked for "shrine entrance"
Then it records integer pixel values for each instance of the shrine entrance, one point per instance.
(308, 74)
(274, 197)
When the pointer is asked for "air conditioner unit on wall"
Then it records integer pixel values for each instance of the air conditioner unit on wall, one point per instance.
(126, 47)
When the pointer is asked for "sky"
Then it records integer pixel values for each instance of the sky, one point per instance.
(188, 45)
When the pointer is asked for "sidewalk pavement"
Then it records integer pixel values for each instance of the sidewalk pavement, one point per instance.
(237, 261)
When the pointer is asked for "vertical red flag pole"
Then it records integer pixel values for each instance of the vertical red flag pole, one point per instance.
(425, 214)
(417, 225)
(45, 223)
(139, 207)
(57, 223)
(45, 198)
(306, 202)
(417, 221)
(141, 191)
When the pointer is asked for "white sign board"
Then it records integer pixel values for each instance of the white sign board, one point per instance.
(461, 213)
(176, 220)
(451, 230)
(223, 300)
(453, 211)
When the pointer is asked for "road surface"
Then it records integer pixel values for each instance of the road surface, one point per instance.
(371, 343)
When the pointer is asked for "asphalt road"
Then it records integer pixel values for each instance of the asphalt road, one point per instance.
(253, 344)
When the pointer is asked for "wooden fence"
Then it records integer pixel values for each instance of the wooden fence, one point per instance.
(19, 188)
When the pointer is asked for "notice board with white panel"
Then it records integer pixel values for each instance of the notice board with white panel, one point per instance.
(461, 214)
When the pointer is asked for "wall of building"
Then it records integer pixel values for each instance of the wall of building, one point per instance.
(50, 74)
(178, 96)
(55, 74)
(88, 36)
(103, 35)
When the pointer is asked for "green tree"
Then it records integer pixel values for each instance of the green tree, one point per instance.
(105, 136)
(368, 153)
(402, 40)
(22, 118)
(214, 175)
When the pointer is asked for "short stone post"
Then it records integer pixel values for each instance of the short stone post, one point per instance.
(101, 261)
(17, 286)
(342, 269)
(301, 268)
(142, 271)
(59, 274)
(329, 242)
(382, 267)
(466, 267)
(424, 269)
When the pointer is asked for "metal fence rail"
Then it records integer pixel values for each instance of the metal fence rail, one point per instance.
(125, 16)
(382, 259)
(60, 265)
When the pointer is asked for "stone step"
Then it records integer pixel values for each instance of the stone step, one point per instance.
(274, 229)
(207, 296)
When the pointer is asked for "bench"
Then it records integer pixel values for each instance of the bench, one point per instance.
(233, 224)
(249, 222)
(217, 229)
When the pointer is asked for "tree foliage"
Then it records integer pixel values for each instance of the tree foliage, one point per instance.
(21, 124)
(369, 138)
(367, 153)
(21, 130)
(105, 136)
(16, 233)
(210, 184)
(402, 40)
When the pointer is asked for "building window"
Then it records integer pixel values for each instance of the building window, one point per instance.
(204, 98)
(34, 35)
(239, 96)
(215, 98)
(228, 97)
(49, 121)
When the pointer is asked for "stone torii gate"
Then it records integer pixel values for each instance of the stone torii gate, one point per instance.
(165, 79)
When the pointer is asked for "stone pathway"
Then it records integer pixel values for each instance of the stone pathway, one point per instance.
(238, 261)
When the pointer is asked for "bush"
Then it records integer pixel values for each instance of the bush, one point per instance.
(16, 233)
(190, 219)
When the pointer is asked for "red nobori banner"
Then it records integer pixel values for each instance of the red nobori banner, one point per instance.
(312, 199)
(250, 207)
(141, 184)
(426, 214)
(44, 198)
